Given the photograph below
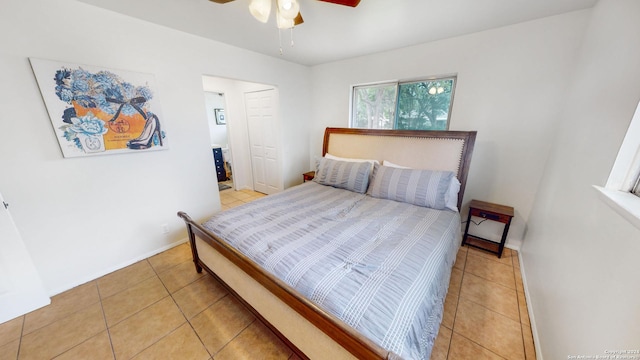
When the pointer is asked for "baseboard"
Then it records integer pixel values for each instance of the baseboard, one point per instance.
(534, 328)
(100, 274)
(514, 244)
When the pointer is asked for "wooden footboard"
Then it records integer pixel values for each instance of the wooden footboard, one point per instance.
(345, 338)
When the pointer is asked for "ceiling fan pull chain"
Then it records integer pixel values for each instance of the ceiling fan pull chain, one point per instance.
(280, 40)
(291, 37)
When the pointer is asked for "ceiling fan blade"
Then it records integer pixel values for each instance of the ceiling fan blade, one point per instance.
(298, 20)
(221, 1)
(352, 3)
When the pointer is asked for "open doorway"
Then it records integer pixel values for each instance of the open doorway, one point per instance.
(220, 150)
(253, 141)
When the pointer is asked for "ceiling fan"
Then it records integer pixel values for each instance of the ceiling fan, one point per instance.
(287, 11)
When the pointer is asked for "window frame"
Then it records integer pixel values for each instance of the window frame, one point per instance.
(621, 191)
(397, 83)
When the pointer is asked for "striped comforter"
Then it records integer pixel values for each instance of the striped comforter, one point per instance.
(381, 266)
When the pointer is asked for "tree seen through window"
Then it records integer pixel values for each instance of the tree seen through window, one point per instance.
(417, 105)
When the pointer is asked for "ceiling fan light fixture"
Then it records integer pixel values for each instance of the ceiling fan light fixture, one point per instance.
(260, 9)
(284, 23)
(288, 9)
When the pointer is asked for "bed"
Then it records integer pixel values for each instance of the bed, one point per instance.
(356, 263)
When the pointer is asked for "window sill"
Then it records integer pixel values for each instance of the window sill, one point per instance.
(624, 203)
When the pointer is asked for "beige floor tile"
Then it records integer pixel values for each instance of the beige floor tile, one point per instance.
(491, 295)
(251, 192)
(119, 280)
(464, 349)
(180, 276)
(506, 259)
(450, 307)
(516, 260)
(221, 322)
(95, 348)
(529, 347)
(256, 342)
(490, 270)
(9, 351)
(524, 313)
(143, 329)
(240, 195)
(170, 258)
(253, 198)
(440, 349)
(233, 204)
(226, 199)
(11, 330)
(128, 302)
(489, 329)
(62, 335)
(62, 305)
(197, 296)
(180, 344)
(456, 281)
(461, 259)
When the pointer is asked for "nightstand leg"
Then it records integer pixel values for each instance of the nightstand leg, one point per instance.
(466, 229)
(504, 238)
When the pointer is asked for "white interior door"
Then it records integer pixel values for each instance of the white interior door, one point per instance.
(262, 122)
(21, 289)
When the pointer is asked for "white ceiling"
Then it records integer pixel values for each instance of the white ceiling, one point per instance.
(333, 32)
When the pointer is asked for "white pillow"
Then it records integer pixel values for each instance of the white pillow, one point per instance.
(451, 197)
(390, 164)
(333, 157)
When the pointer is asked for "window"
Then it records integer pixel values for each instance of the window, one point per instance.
(622, 190)
(409, 105)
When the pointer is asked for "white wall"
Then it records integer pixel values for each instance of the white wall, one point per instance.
(581, 259)
(511, 84)
(83, 217)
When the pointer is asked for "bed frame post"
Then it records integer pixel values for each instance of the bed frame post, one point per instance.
(192, 240)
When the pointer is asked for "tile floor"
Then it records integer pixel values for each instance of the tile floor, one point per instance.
(485, 312)
(160, 308)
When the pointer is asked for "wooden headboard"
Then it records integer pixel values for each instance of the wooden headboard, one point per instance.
(418, 149)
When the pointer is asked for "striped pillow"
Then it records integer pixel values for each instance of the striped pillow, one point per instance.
(353, 176)
(427, 188)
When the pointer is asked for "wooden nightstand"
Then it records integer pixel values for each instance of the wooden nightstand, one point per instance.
(489, 211)
(308, 176)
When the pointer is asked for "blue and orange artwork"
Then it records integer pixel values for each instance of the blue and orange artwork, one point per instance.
(96, 111)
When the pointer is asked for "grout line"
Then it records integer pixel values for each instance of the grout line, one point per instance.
(455, 313)
(480, 345)
(524, 346)
(519, 321)
(128, 286)
(515, 286)
(24, 319)
(160, 339)
(106, 325)
(239, 332)
(489, 309)
(200, 339)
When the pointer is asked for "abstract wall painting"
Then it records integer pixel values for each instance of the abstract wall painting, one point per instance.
(97, 111)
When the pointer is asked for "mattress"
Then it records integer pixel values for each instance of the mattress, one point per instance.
(381, 266)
